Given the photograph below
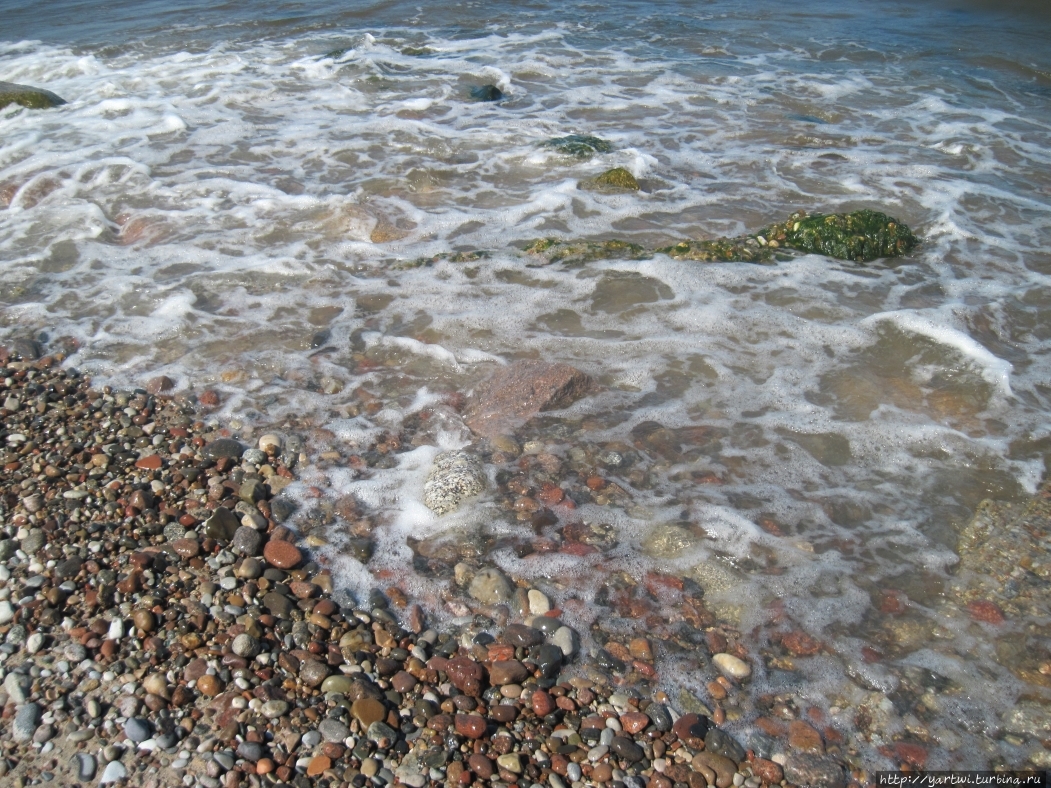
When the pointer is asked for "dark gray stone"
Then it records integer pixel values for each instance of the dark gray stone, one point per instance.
(250, 751)
(223, 447)
(818, 771)
(247, 541)
(222, 525)
(281, 509)
(626, 749)
(658, 714)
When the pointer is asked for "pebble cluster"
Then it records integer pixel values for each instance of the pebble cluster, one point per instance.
(161, 626)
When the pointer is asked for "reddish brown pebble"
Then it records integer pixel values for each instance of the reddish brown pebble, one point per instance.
(302, 589)
(151, 462)
(209, 398)
(769, 772)
(159, 384)
(658, 781)
(634, 722)
(318, 764)
(800, 644)
(402, 682)
(805, 738)
(716, 690)
(186, 548)
(333, 750)
(283, 555)
(470, 725)
(466, 675)
(602, 773)
(691, 729)
(543, 704)
(984, 610)
(264, 766)
(481, 766)
(912, 754)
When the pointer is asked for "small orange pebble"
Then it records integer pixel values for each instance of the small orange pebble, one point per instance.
(595, 482)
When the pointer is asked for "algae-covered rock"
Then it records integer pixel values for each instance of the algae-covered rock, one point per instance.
(860, 236)
(583, 146)
(452, 257)
(417, 51)
(616, 180)
(487, 93)
(555, 251)
(29, 97)
(720, 250)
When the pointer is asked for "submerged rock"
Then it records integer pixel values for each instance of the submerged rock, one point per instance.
(27, 96)
(721, 250)
(456, 476)
(487, 93)
(577, 252)
(583, 146)
(616, 180)
(519, 391)
(860, 236)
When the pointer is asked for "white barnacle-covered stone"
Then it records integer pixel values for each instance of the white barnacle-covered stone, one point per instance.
(456, 476)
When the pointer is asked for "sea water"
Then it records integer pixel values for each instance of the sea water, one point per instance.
(267, 202)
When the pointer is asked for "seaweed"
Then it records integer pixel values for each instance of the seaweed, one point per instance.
(582, 146)
(720, 250)
(615, 180)
(577, 252)
(861, 236)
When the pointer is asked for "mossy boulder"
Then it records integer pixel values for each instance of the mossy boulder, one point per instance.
(29, 97)
(861, 236)
(721, 250)
(487, 93)
(577, 252)
(616, 180)
(582, 146)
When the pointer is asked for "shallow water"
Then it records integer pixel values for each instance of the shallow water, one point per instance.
(229, 192)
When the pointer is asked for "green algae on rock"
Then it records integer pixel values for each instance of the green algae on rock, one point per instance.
(556, 251)
(720, 250)
(616, 180)
(582, 146)
(861, 236)
(28, 96)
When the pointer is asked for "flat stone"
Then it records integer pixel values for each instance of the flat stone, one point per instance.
(722, 743)
(518, 392)
(490, 587)
(819, 771)
(626, 749)
(31, 98)
(222, 525)
(313, 673)
(283, 555)
(509, 671)
(711, 765)
(367, 711)
(26, 719)
(520, 635)
(273, 709)
(114, 772)
(223, 447)
(333, 730)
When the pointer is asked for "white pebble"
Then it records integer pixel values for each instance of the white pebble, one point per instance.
(731, 666)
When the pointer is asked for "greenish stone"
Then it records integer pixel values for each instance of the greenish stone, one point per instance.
(417, 51)
(861, 236)
(582, 146)
(556, 251)
(339, 684)
(27, 96)
(615, 180)
(720, 250)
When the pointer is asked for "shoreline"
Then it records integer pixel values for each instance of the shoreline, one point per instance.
(120, 663)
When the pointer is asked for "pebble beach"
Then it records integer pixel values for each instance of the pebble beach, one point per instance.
(161, 627)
